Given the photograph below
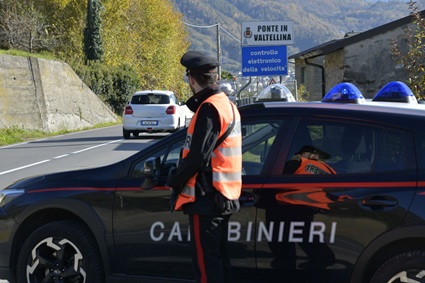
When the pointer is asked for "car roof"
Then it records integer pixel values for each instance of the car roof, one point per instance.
(393, 107)
(402, 115)
(167, 92)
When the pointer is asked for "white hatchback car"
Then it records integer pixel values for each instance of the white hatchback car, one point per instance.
(153, 111)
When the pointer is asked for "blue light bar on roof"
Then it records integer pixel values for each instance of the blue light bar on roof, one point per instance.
(344, 93)
(396, 92)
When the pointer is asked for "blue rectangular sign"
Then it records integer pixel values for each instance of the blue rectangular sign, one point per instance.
(264, 61)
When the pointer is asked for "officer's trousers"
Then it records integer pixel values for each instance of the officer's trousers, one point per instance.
(208, 234)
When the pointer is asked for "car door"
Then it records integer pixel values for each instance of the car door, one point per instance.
(261, 137)
(313, 227)
(151, 241)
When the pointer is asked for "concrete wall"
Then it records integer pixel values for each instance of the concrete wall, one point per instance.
(333, 69)
(369, 64)
(46, 95)
(310, 76)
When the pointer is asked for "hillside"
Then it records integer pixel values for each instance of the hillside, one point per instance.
(314, 22)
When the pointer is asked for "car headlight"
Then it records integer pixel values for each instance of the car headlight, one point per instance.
(8, 195)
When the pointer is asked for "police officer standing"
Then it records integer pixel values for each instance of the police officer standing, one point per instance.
(208, 178)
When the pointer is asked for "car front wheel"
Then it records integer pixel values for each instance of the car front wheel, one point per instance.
(407, 267)
(60, 251)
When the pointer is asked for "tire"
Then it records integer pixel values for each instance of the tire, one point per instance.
(50, 253)
(406, 267)
(135, 134)
(125, 134)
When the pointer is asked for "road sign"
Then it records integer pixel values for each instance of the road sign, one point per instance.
(264, 61)
(267, 33)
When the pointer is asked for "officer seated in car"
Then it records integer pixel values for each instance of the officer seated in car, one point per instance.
(308, 161)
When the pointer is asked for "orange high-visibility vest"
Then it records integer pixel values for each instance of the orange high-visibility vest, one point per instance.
(226, 159)
(311, 166)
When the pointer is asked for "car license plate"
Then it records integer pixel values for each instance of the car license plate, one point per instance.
(149, 123)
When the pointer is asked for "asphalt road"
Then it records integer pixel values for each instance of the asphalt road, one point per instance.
(74, 151)
(69, 152)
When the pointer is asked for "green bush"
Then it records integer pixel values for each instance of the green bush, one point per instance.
(114, 85)
(303, 94)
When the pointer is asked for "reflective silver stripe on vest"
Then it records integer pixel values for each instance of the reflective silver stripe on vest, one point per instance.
(236, 131)
(226, 177)
(187, 190)
(229, 151)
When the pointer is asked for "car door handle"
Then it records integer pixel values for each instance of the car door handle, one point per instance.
(247, 199)
(377, 201)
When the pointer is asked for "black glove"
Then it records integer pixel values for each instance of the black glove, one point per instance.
(174, 195)
(223, 204)
(174, 191)
(173, 199)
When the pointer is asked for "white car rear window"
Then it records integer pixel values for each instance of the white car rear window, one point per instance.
(150, 99)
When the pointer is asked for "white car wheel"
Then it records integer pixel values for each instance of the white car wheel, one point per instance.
(408, 267)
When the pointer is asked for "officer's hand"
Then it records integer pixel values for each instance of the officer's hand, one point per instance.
(222, 202)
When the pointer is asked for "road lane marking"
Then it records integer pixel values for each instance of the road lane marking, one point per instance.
(96, 146)
(54, 137)
(23, 167)
(57, 157)
(60, 156)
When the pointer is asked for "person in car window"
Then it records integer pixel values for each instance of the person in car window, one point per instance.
(208, 178)
(299, 204)
(308, 161)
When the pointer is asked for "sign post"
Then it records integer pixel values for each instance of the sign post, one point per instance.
(266, 33)
(264, 51)
(264, 61)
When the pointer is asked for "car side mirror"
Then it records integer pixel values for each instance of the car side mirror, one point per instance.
(151, 171)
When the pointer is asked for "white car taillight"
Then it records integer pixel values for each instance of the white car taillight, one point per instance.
(128, 110)
(171, 109)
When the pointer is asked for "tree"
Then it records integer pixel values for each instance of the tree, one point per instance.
(93, 46)
(146, 36)
(23, 27)
(63, 23)
(149, 36)
(409, 52)
(226, 75)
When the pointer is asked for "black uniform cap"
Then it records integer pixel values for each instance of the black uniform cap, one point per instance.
(197, 62)
(312, 149)
(307, 148)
